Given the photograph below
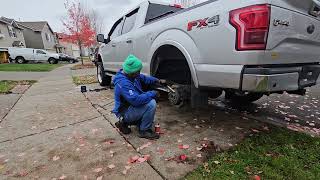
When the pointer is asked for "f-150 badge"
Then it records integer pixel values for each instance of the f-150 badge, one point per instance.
(278, 22)
(203, 23)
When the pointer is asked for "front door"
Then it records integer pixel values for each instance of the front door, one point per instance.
(40, 55)
(126, 41)
(109, 50)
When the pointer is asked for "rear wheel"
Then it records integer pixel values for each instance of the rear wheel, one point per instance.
(242, 98)
(103, 79)
(20, 60)
(71, 61)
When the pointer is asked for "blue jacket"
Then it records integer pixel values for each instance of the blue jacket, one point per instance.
(131, 91)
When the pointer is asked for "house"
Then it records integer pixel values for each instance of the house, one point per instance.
(10, 36)
(39, 35)
(68, 48)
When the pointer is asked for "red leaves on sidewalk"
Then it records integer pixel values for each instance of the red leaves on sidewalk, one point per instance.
(139, 159)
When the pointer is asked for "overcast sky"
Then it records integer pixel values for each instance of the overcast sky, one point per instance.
(53, 10)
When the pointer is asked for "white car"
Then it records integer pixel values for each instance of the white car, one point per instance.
(23, 55)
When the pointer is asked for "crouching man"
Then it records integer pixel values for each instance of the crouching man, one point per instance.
(132, 104)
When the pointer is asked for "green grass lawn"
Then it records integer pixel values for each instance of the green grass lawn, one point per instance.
(29, 67)
(6, 86)
(80, 80)
(279, 154)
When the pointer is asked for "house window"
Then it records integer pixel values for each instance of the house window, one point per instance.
(48, 37)
(12, 32)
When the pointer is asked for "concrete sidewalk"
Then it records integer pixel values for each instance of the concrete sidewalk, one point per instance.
(54, 132)
(16, 76)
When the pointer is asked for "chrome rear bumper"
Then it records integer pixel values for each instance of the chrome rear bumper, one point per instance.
(280, 79)
(270, 83)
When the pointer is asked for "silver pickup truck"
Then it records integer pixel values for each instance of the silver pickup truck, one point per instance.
(246, 48)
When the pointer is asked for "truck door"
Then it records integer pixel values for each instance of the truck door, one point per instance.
(40, 55)
(109, 50)
(126, 41)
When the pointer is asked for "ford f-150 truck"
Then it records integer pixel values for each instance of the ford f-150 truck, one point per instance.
(246, 48)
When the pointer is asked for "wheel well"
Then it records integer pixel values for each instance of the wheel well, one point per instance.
(19, 57)
(99, 58)
(169, 63)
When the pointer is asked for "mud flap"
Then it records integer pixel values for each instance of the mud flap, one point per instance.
(199, 99)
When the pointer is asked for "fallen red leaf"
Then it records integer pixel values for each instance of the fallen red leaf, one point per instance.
(109, 142)
(133, 159)
(256, 177)
(181, 146)
(183, 157)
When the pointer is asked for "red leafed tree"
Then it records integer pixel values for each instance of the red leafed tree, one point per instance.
(78, 27)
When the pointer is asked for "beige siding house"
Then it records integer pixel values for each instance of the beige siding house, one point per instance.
(68, 48)
(39, 35)
(10, 33)
(10, 36)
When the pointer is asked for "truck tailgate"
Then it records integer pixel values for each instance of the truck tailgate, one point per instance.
(294, 34)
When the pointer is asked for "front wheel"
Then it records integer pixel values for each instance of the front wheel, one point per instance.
(243, 98)
(103, 79)
(53, 61)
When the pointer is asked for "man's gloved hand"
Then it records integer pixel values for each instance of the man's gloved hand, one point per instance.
(157, 94)
(162, 81)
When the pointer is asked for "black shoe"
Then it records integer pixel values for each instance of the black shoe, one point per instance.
(148, 134)
(123, 127)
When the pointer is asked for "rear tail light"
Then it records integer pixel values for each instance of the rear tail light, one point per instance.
(252, 25)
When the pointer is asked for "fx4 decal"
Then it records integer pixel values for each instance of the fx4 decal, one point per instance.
(203, 23)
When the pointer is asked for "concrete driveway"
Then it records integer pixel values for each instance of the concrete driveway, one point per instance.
(56, 132)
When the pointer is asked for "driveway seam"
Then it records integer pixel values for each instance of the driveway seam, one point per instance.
(51, 129)
(10, 109)
(105, 117)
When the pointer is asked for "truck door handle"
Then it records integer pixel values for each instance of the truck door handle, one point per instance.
(129, 41)
(113, 45)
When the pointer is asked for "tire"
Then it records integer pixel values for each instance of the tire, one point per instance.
(103, 79)
(243, 98)
(20, 60)
(71, 61)
(52, 61)
(13, 61)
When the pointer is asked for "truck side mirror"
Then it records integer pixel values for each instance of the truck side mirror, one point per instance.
(100, 38)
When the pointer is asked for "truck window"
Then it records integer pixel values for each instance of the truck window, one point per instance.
(130, 21)
(116, 29)
(156, 11)
(40, 52)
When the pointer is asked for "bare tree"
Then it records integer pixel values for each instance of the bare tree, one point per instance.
(97, 21)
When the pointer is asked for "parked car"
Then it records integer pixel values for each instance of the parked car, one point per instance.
(24, 55)
(245, 48)
(65, 57)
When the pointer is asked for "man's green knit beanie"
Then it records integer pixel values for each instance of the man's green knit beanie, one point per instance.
(132, 64)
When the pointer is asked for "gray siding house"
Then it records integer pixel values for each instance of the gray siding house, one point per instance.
(39, 35)
(11, 34)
